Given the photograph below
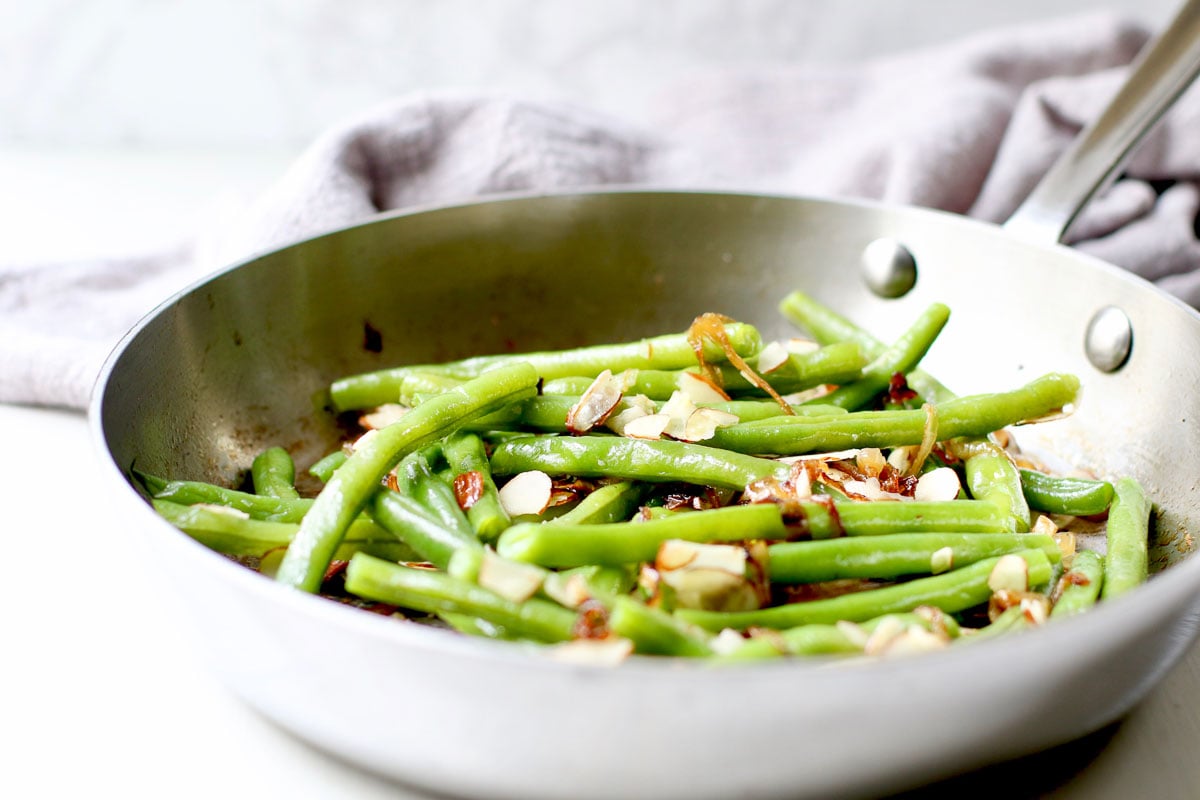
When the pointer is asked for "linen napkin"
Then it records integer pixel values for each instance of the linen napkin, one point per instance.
(968, 127)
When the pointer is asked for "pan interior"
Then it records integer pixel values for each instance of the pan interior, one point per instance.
(242, 361)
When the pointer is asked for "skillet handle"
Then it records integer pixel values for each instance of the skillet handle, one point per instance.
(1161, 72)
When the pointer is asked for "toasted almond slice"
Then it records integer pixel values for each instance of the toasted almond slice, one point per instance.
(799, 346)
(772, 357)
(703, 423)
(678, 408)
(361, 441)
(617, 422)
(569, 590)
(509, 579)
(677, 554)
(1010, 573)
(649, 426)
(901, 458)
(1066, 544)
(869, 489)
(941, 560)
(1036, 608)
(526, 493)
(883, 634)
(228, 511)
(938, 484)
(913, 640)
(699, 388)
(596, 403)
(382, 416)
(606, 652)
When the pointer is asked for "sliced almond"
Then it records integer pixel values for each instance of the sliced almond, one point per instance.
(568, 590)
(382, 416)
(509, 579)
(799, 346)
(887, 629)
(617, 422)
(703, 423)
(676, 554)
(362, 441)
(607, 652)
(1011, 573)
(772, 357)
(699, 388)
(1066, 544)
(938, 484)
(1036, 608)
(711, 590)
(648, 426)
(227, 511)
(677, 409)
(912, 641)
(596, 403)
(526, 493)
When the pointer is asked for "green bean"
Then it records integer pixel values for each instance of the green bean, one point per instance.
(827, 326)
(818, 520)
(615, 502)
(437, 593)
(417, 479)
(895, 555)
(415, 526)
(824, 323)
(416, 385)
(273, 473)
(1080, 585)
(977, 415)
(468, 460)
(993, 477)
(554, 544)
(270, 509)
(655, 632)
(903, 356)
(234, 535)
(324, 468)
(819, 639)
(1127, 537)
(1077, 497)
(1010, 620)
(951, 591)
(353, 484)
(632, 459)
(672, 351)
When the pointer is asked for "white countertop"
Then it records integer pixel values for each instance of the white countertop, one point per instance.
(102, 691)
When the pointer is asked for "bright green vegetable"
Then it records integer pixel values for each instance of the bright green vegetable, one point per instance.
(350, 488)
(1126, 560)
(273, 474)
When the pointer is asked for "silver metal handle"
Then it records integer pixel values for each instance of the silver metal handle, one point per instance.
(1162, 71)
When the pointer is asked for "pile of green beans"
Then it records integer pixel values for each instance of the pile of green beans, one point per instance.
(793, 525)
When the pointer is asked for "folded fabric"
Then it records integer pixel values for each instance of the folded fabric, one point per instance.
(967, 127)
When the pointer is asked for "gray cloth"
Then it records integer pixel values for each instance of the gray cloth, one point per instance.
(968, 127)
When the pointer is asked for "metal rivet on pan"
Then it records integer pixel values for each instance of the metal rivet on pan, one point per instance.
(1109, 339)
(888, 268)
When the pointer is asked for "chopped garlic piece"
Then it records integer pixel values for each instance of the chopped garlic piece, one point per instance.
(941, 560)
(938, 484)
(1010, 573)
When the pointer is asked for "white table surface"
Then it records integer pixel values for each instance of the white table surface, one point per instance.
(101, 691)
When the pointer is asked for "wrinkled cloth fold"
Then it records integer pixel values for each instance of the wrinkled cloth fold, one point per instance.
(967, 127)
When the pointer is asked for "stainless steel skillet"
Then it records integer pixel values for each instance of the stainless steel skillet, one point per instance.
(238, 362)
